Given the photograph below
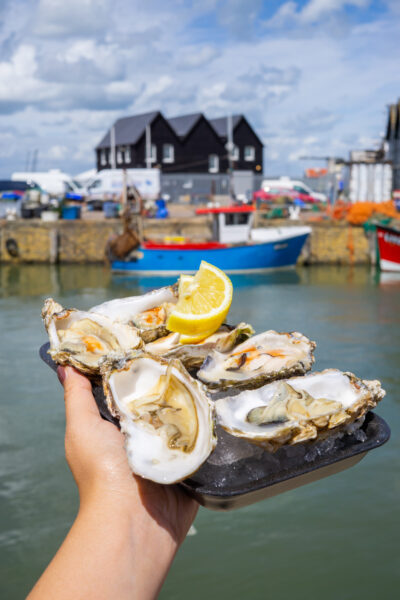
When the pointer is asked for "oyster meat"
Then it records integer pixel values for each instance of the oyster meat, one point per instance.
(261, 358)
(148, 312)
(82, 339)
(164, 413)
(298, 409)
(193, 355)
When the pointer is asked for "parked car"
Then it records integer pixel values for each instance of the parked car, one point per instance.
(54, 182)
(12, 194)
(296, 185)
(107, 183)
(282, 195)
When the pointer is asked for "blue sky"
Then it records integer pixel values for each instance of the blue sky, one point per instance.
(314, 77)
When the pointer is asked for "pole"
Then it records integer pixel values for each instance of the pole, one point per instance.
(112, 139)
(124, 194)
(230, 153)
(148, 147)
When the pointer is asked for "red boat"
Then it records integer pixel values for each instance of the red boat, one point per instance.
(389, 248)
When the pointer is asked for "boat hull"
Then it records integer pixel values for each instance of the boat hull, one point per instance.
(389, 248)
(246, 258)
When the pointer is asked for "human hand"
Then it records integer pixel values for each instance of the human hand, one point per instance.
(96, 456)
(128, 529)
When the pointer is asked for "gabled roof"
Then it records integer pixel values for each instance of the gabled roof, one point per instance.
(221, 125)
(128, 130)
(184, 124)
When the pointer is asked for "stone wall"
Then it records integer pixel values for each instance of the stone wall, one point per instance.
(330, 243)
(85, 241)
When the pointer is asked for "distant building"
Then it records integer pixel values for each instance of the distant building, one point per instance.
(392, 142)
(181, 145)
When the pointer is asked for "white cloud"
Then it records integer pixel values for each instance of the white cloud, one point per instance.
(73, 18)
(302, 87)
(18, 81)
(58, 152)
(310, 13)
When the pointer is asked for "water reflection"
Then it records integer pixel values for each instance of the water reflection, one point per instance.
(45, 280)
(145, 284)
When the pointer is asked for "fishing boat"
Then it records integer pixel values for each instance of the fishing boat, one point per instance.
(388, 240)
(236, 247)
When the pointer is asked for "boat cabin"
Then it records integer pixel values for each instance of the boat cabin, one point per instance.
(231, 224)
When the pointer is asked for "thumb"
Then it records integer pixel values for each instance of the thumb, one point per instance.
(80, 404)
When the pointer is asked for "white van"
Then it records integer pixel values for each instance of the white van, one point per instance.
(54, 182)
(292, 184)
(108, 183)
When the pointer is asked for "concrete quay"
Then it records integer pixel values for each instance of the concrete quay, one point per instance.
(84, 241)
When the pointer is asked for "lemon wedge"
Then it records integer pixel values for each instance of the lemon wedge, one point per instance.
(203, 302)
(194, 339)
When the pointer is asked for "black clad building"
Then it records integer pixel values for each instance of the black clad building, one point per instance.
(183, 144)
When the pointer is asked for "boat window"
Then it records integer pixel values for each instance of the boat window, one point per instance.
(120, 158)
(236, 218)
(168, 153)
(213, 163)
(127, 154)
(249, 153)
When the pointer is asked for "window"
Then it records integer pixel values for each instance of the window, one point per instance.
(213, 163)
(96, 183)
(235, 152)
(300, 189)
(168, 153)
(153, 153)
(236, 218)
(127, 154)
(249, 153)
(120, 157)
(103, 157)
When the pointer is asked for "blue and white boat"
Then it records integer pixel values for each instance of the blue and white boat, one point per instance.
(237, 247)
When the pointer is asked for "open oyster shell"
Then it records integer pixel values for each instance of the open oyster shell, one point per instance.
(298, 409)
(148, 312)
(82, 339)
(261, 358)
(164, 413)
(193, 355)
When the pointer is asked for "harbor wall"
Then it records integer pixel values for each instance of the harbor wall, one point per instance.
(34, 241)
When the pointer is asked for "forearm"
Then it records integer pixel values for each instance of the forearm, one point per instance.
(112, 551)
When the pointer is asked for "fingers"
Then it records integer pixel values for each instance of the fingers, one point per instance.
(80, 404)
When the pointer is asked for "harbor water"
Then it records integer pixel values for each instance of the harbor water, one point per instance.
(335, 538)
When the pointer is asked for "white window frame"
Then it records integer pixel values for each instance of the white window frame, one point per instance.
(235, 155)
(153, 154)
(120, 157)
(251, 157)
(213, 168)
(168, 153)
(103, 158)
(128, 156)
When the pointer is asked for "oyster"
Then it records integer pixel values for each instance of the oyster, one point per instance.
(193, 355)
(148, 313)
(262, 358)
(298, 409)
(164, 413)
(83, 339)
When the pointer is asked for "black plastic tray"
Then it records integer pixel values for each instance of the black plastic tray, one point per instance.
(239, 473)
